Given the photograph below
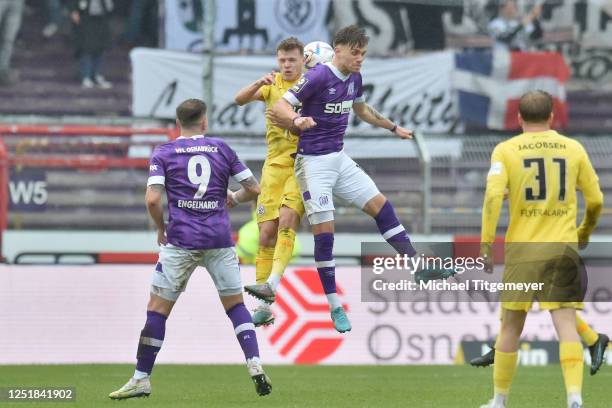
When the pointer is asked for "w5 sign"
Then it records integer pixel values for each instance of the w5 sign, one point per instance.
(28, 190)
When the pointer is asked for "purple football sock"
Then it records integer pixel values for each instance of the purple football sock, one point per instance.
(393, 231)
(324, 258)
(244, 329)
(151, 340)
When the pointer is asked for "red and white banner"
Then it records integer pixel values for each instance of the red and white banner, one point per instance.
(489, 85)
(94, 314)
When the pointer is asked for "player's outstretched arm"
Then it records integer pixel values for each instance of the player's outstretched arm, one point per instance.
(153, 200)
(369, 115)
(252, 92)
(248, 192)
(284, 116)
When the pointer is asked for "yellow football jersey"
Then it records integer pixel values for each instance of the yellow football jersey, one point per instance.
(541, 171)
(281, 143)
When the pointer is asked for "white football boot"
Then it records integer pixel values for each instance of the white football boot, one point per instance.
(133, 389)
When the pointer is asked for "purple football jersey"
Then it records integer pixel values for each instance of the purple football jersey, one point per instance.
(327, 95)
(195, 172)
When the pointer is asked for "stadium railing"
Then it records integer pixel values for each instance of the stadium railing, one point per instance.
(459, 173)
(77, 159)
(3, 192)
(83, 164)
(425, 160)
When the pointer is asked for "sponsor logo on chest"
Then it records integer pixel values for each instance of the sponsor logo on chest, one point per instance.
(339, 107)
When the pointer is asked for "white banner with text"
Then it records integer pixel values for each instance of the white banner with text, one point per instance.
(412, 91)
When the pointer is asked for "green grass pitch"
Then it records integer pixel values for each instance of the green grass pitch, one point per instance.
(306, 386)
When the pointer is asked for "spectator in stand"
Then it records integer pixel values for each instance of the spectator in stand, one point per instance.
(54, 17)
(92, 38)
(141, 28)
(509, 31)
(11, 12)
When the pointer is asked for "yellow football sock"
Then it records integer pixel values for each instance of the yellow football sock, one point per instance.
(283, 250)
(588, 335)
(571, 357)
(263, 264)
(503, 371)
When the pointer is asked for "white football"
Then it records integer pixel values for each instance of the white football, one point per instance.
(317, 52)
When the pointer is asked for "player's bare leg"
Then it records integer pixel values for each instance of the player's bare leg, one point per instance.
(288, 222)
(247, 338)
(151, 340)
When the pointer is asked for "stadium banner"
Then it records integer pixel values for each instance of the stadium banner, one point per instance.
(414, 92)
(241, 25)
(53, 313)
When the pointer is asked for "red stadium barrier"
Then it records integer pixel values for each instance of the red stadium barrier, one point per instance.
(87, 161)
(469, 246)
(84, 130)
(88, 148)
(127, 257)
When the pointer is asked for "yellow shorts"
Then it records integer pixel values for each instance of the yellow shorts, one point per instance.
(278, 187)
(561, 284)
(526, 306)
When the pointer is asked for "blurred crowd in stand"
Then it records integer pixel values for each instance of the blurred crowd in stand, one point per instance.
(88, 24)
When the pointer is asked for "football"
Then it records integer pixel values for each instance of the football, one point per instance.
(317, 52)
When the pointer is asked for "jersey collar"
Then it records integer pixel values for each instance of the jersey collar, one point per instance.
(191, 137)
(548, 132)
(337, 72)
